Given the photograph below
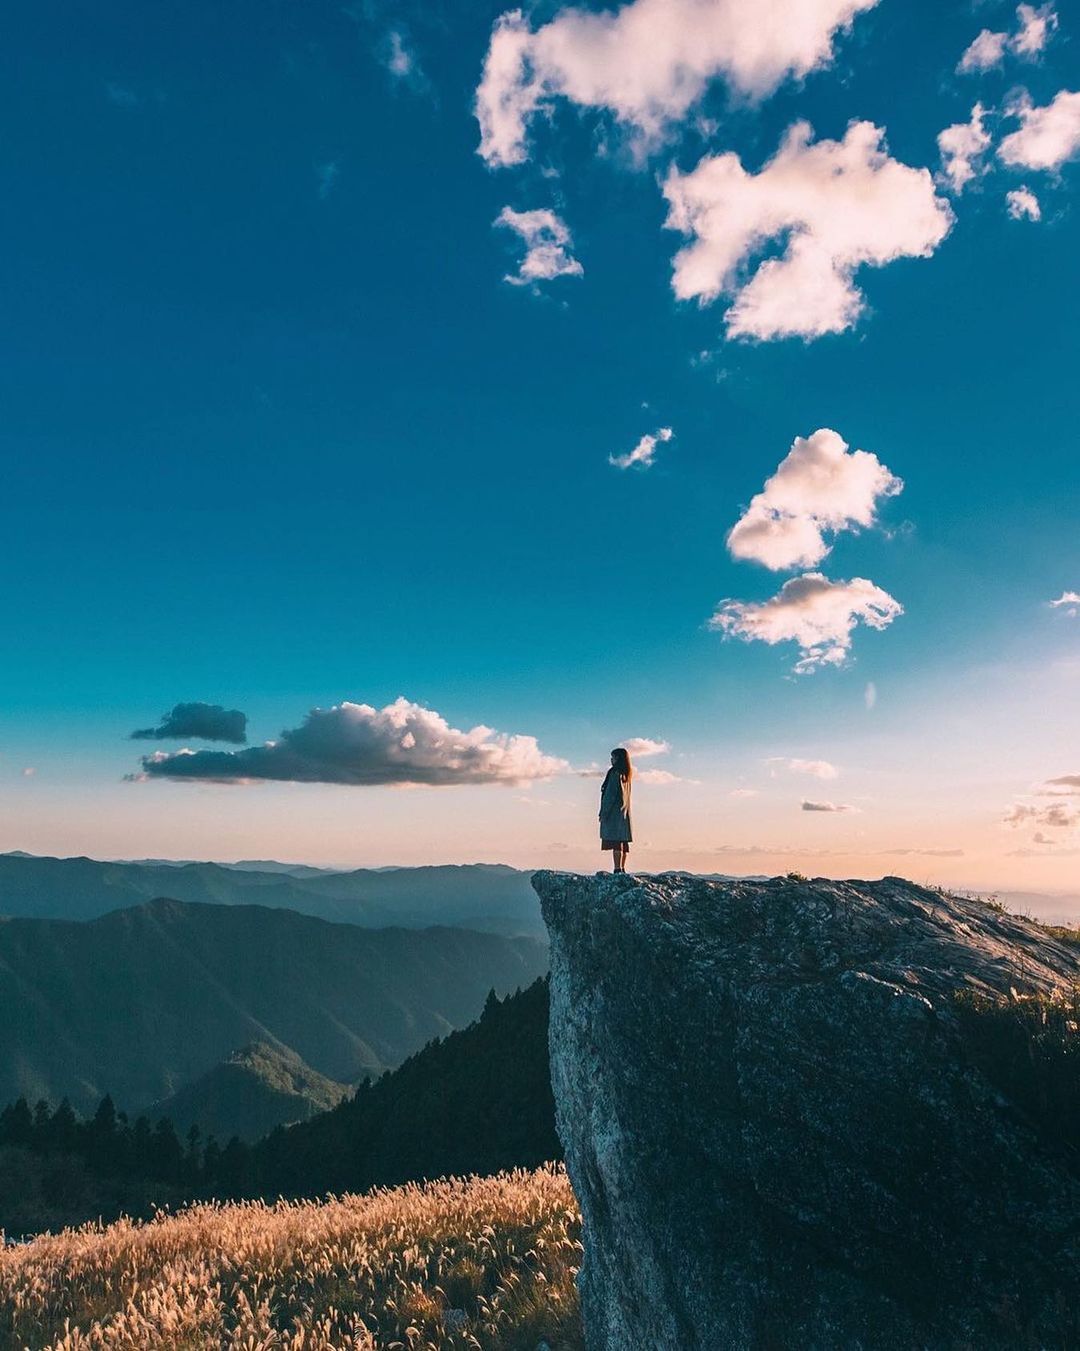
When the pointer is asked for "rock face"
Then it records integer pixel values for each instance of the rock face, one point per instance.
(778, 1128)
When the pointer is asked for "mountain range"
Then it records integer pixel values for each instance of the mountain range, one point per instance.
(139, 1002)
(489, 897)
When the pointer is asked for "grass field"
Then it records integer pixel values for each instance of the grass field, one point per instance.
(480, 1263)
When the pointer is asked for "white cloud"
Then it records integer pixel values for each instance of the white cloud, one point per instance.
(641, 746)
(403, 743)
(547, 246)
(398, 59)
(644, 452)
(1069, 601)
(962, 148)
(647, 63)
(1035, 27)
(819, 486)
(834, 206)
(818, 769)
(659, 778)
(870, 694)
(744, 792)
(826, 807)
(986, 52)
(1048, 136)
(1022, 204)
(819, 615)
(29, 772)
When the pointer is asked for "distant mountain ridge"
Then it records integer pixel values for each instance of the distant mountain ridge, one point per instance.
(489, 897)
(140, 1001)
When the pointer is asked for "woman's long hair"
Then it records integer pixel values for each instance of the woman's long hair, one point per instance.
(621, 758)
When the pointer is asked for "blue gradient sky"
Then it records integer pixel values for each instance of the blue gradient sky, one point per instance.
(276, 436)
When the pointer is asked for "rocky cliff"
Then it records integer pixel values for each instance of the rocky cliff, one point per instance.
(786, 1128)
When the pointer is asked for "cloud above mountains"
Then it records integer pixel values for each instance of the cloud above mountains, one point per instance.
(401, 744)
(647, 63)
(833, 207)
(813, 612)
(820, 486)
(205, 722)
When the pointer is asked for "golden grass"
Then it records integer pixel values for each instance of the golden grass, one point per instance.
(482, 1263)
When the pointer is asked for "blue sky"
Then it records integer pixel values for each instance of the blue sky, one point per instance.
(277, 434)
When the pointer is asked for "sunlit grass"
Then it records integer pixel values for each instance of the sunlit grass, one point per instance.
(481, 1263)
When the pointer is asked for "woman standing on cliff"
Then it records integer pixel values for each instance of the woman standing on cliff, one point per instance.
(615, 832)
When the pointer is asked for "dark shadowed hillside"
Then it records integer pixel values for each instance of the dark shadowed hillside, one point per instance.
(250, 1093)
(141, 1001)
(477, 1101)
(489, 897)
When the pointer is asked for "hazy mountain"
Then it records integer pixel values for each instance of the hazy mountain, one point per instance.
(490, 897)
(139, 1002)
(255, 1089)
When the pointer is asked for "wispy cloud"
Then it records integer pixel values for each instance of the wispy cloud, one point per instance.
(326, 177)
(121, 96)
(647, 63)
(870, 694)
(1069, 601)
(832, 207)
(403, 743)
(819, 615)
(206, 722)
(818, 769)
(547, 246)
(643, 454)
(820, 486)
(808, 806)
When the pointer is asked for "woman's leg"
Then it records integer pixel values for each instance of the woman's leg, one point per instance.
(618, 858)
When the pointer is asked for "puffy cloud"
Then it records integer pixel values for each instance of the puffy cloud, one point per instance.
(1022, 204)
(1069, 601)
(1034, 29)
(1048, 136)
(547, 246)
(641, 746)
(819, 769)
(833, 206)
(398, 56)
(986, 52)
(647, 63)
(826, 806)
(643, 454)
(819, 615)
(403, 743)
(962, 148)
(207, 722)
(820, 485)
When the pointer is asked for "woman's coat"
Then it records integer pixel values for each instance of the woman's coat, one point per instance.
(615, 808)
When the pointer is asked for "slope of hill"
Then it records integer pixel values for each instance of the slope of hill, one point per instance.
(250, 1093)
(476, 1102)
(139, 1002)
(490, 897)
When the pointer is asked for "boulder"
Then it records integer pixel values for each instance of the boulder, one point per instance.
(786, 1127)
